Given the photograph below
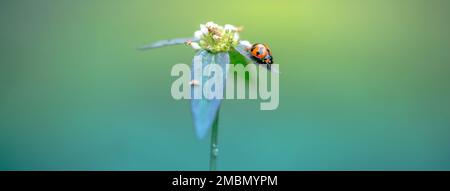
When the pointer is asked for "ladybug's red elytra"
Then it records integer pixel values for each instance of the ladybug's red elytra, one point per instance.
(261, 54)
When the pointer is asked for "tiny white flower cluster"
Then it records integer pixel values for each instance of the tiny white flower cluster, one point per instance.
(216, 38)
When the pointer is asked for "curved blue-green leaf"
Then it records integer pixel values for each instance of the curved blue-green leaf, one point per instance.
(205, 111)
(242, 49)
(169, 42)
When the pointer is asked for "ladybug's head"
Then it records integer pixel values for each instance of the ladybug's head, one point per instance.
(268, 59)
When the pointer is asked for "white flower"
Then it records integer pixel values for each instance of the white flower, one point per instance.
(198, 35)
(204, 29)
(231, 28)
(194, 45)
(214, 27)
(236, 36)
(211, 24)
(216, 38)
(246, 43)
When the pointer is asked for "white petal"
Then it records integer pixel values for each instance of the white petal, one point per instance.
(195, 46)
(236, 36)
(203, 29)
(230, 27)
(246, 43)
(198, 35)
(211, 24)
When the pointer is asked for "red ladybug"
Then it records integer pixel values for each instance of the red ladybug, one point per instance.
(261, 54)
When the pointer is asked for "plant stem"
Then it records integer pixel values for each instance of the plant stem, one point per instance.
(214, 146)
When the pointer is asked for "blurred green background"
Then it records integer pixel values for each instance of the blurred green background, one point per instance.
(365, 85)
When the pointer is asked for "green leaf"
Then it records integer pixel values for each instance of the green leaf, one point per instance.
(237, 58)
